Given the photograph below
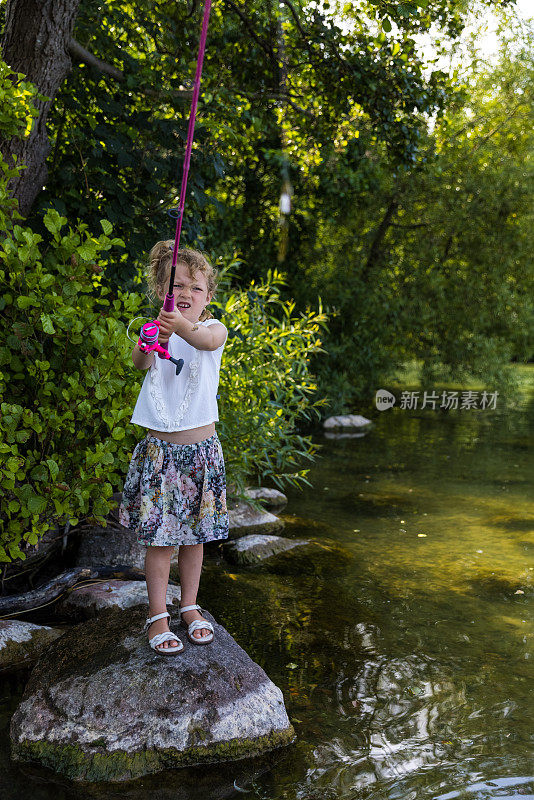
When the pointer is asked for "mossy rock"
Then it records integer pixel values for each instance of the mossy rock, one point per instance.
(103, 706)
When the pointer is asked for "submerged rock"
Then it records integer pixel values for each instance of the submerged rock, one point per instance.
(501, 586)
(23, 642)
(103, 706)
(511, 523)
(245, 520)
(320, 558)
(257, 546)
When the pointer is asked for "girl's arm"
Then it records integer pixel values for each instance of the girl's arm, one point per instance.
(200, 336)
(142, 360)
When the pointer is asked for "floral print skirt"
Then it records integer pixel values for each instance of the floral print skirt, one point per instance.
(175, 493)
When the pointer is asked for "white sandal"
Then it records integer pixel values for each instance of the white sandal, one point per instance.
(166, 636)
(196, 625)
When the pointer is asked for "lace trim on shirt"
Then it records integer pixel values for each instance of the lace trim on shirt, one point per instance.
(155, 392)
(192, 386)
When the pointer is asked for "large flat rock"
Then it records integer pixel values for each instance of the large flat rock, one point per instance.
(103, 706)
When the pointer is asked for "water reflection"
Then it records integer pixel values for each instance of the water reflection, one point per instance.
(436, 702)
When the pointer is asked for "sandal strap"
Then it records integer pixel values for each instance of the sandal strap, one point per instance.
(150, 620)
(159, 638)
(189, 608)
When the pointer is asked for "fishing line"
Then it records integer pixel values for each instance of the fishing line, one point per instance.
(149, 335)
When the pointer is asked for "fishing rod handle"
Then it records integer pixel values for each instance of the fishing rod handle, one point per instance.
(149, 334)
(168, 305)
(148, 342)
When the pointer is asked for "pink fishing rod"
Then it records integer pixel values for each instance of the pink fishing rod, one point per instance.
(168, 304)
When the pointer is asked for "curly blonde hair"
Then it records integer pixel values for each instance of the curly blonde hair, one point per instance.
(159, 269)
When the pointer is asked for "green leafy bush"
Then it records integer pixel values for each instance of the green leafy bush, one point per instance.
(17, 110)
(17, 113)
(66, 382)
(265, 384)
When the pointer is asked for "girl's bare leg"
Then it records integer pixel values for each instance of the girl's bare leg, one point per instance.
(190, 558)
(157, 567)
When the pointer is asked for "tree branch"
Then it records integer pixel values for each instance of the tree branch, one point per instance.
(296, 18)
(414, 225)
(305, 36)
(375, 251)
(35, 42)
(276, 96)
(508, 117)
(81, 54)
(246, 22)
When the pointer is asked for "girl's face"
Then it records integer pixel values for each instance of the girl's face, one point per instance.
(190, 294)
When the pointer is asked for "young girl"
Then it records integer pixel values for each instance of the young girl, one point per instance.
(175, 490)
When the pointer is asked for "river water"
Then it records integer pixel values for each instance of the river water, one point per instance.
(401, 636)
(404, 645)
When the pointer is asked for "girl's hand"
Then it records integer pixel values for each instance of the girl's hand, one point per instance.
(168, 323)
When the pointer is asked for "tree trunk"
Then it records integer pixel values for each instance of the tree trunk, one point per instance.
(36, 42)
(375, 251)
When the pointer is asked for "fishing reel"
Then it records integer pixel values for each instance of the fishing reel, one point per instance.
(148, 342)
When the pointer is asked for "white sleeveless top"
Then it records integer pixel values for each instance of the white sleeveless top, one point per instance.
(170, 402)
